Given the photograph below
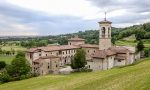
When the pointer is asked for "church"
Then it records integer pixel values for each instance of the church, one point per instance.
(51, 59)
(109, 56)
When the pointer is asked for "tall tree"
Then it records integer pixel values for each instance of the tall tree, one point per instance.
(79, 60)
(140, 46)
(19, 66)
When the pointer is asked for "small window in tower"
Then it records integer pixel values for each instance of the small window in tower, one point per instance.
(109, 34)
(103, 31)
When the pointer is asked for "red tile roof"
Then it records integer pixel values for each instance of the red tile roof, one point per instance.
(89, 46)
(45, 57)
(54, 48)
(103, 53)
(120, 49)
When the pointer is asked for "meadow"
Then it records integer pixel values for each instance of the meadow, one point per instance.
(7, 58)
(133, 77)
(132, 42)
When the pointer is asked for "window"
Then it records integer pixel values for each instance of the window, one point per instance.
(46, 54)
(70, 43)
(94, 51)
(56, 65)
(88, 51)
(103, 31)
(30, 56)
(109, 32)
(48, 67)
(119, 60)
(39, 54)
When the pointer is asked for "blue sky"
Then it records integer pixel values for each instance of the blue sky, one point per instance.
(51, 17)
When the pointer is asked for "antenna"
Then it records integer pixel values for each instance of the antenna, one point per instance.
(105, 16)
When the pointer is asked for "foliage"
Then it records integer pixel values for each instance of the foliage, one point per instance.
(2, 64)
(79, 59)
(18, 67)
(147, 52)
(140, 46)
(4, 76)
(20, 54)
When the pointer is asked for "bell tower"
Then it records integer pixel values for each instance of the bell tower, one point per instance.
(105, 34)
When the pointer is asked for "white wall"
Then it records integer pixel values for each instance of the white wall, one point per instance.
(117, 63)
(110, 62)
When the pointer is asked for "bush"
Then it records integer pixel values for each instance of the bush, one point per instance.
(147, 52)
(4, 76)
(2, 64)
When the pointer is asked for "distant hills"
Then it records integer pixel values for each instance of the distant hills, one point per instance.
(92, 36)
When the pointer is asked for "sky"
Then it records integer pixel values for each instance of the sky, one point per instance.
(53, 17)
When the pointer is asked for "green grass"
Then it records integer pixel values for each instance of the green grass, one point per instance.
(131, 42)
(135, 77)
(7, 59)
(16, 48)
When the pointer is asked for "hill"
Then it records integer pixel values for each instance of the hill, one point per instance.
(133, 77)
(92, 36)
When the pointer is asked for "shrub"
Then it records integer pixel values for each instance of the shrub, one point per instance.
(4, 76)
(2, 64)
(147, 52)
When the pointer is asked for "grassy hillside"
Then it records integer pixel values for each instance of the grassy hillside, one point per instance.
(135, 77)
(132, 42)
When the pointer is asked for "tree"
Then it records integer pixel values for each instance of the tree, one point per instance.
(2, 64)
(147, 52)
(1, 51)
(140, 46)
(19, 66)
(4, 76)
(79, 60)
(139, 34)
(20, 54)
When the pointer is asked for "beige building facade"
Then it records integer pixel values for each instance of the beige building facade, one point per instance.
(109, 56)
(50, 59)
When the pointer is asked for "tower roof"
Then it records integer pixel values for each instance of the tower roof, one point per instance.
(104, 21)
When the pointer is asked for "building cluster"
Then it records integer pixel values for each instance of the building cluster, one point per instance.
(50, 59)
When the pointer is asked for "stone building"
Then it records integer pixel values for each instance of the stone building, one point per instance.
(109, 56)
(50, 59)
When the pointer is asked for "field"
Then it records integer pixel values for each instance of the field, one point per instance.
(16, 48)
(131, 42)
(133, 77)
(7, 59)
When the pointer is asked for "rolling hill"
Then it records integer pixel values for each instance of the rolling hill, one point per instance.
(133, 77)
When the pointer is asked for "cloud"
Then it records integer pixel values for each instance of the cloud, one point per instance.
(127, 12)
(47, 17)
(21, 21)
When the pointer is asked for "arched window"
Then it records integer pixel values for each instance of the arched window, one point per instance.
(109, 33)
(103, 31)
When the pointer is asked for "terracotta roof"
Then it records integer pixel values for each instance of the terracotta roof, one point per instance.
(45, 57)
(120, 49)
(89, 46)
(76, 39)
(54, 48)
(103, 53)
(104, 21)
